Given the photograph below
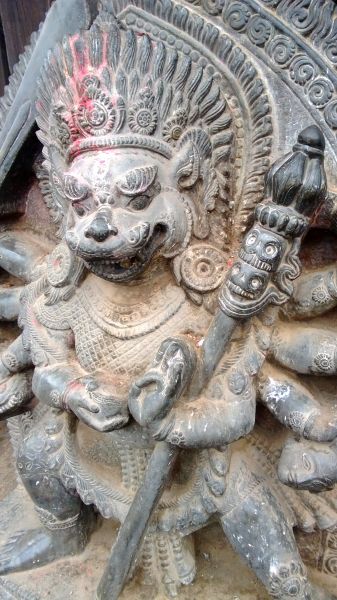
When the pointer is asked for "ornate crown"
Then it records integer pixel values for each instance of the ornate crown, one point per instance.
(110, 87)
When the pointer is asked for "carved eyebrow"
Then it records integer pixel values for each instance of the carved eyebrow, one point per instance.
(137, 181)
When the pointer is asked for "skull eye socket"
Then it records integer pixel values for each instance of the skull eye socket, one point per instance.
(251, 239)
(271, 250)
(256, 283)
(80, 211)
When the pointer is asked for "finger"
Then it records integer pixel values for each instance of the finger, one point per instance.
(86, 417)
(108, 424)
(150, 378)
(88, 404)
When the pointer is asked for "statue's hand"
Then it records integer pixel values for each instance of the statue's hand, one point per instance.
(153, 395)
(96, 403)
(15, 393)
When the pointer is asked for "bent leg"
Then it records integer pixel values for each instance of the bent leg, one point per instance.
(259, 532)
(67, 523)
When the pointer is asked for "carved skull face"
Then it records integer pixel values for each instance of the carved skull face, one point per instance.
(260, 255)
(123, 210)
(246, 281)
(308, 466)
(262, 249)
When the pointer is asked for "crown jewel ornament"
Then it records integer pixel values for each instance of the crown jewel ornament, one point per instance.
(109, 87)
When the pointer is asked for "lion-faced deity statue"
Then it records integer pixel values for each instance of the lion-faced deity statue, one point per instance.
(145, 175)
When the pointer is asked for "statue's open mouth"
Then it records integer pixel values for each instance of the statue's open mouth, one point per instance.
(239, 291)
(128, 267)
(122, 270)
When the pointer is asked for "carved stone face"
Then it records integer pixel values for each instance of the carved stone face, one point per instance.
(260, 254)
(262, 249)
(308, 466)
(246, 281)
(123, 210)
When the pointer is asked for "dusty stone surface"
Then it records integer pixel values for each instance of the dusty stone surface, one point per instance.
(221, 574)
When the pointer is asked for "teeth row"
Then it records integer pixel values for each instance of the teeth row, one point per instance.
(126, 264)
(255, 261)
(238, 290)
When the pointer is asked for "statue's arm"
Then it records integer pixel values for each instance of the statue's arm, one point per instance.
(314, 294)
(295, 407)
(15, 379)
(90, 396)
(210, 422)
(223, 412)
(51, 383)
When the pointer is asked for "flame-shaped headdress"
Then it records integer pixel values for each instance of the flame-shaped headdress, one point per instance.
(111, 87)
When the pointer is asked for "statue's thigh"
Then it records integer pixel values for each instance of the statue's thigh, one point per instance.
(259, 532)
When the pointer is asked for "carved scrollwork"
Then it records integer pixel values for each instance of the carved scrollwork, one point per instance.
(320, 91)
(314, 20)
(281, 49)
(330, 113)
(284, 49)
(259, 30)
(302, 69)
(237, 15)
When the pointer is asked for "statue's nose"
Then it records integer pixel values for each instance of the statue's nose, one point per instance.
(100, 228)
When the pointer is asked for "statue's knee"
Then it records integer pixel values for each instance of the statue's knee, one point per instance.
(288, 580)
(29, 453)
(37, 452)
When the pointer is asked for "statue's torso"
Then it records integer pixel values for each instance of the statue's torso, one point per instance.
(120, 335)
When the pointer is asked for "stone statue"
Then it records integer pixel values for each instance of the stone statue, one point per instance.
(165, 311)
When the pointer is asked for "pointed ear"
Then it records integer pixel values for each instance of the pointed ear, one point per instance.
(190, 173)
(188, 168)
(194, 149)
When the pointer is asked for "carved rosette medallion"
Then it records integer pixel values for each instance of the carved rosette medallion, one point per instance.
(202, 268)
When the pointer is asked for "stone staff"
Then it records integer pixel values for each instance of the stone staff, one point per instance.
(262, 275)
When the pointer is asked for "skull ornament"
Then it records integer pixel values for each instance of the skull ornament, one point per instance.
(262, 249)
(249, 284)
(268, 259)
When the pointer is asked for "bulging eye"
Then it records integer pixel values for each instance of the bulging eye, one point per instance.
(271, 250)
(75, 190)
(256, 283)
(139, 203)
(251, 239)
